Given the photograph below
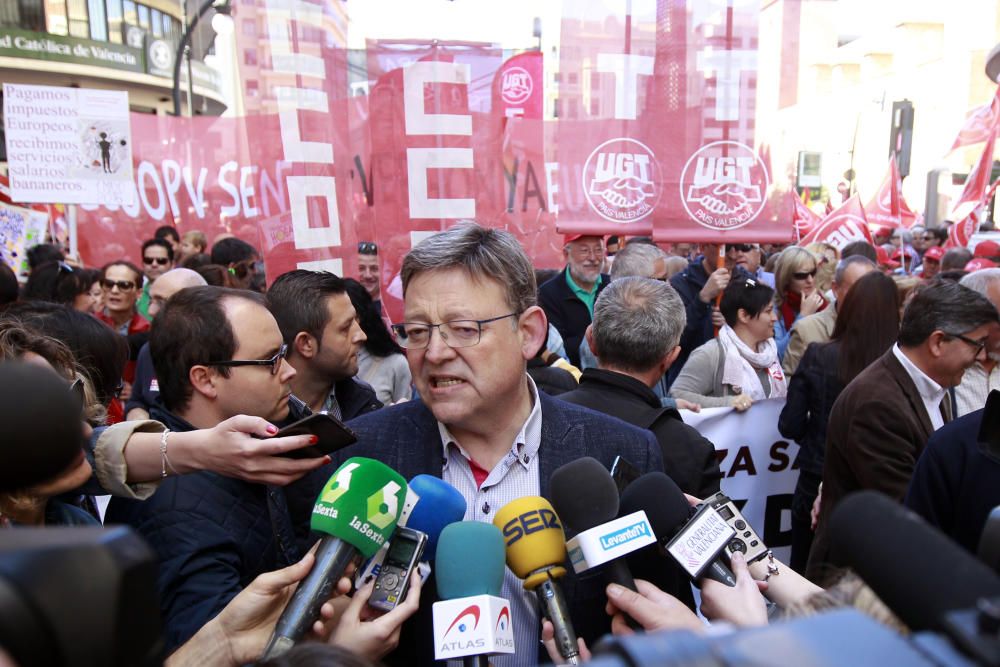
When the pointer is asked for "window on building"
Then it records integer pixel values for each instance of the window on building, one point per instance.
(114, 21)
(572, 78)
(555, 108)
(595, 80)
(156, 20)
(595, 107)
(98, 21)
(79, 25)
(250, 57)
(55, 17)
(143, 16)
(23, 14)
(129, 13)
(252, 88)
(249, 28)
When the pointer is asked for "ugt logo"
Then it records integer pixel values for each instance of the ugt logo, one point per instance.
(516, 86)
(723, 185)
(621, 180)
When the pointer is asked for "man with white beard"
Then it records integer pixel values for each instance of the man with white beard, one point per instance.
(568, 298)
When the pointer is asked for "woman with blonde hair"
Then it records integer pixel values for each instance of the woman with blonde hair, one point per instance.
(827, 257)
(796, 294)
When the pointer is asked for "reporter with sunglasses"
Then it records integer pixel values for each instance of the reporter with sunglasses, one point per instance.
(796, 294)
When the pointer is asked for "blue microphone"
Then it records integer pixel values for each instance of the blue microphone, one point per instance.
(440, 504)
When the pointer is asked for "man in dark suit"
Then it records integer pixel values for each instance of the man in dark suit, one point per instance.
(881, 421)
(637, 325)
(568, 298)
(470, 325)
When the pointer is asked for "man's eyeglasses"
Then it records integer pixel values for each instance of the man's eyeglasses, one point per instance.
(274, 362)
(162, 261)
(123, 285)
(804, 275)
(740, 247)
(980, 344)
(457, 333)
(367, 248)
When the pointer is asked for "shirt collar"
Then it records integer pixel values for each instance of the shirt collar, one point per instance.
(928, 388)
(525, 445)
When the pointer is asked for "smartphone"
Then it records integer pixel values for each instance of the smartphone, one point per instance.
(623, 472)
(332, 434)
(393, 581)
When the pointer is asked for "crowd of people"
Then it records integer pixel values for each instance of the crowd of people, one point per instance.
(163, 386)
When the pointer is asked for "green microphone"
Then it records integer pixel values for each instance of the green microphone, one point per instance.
(357, 512)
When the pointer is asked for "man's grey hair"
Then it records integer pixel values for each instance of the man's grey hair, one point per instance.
(946, 306)
(636, 259)
(904, 234)
(955, 259)
(842, 265)
(980, 281)
(484, 254)
(637, 321)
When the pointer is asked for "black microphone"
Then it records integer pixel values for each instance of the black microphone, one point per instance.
(915, 569)
(668, 512)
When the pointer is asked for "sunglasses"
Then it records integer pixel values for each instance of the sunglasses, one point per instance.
(162, 261)
(123, 285)
(803, 275)
(740, 247)
(367, 248)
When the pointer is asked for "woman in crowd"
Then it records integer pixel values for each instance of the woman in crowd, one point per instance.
(381, 362)
(59, 282)
(796, 292)
(867, 325)
(741, 365)
(827, 257)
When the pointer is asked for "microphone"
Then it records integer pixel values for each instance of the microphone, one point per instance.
(536, 551)
(915, 569)
(438, 504)
(471, 620)
(357, 512)
(669, 513)
(586, 497)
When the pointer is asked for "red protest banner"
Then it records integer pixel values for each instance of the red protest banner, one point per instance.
(976, 182)
(845, 224)
(804, 220)
(980, 124)
(885, 208)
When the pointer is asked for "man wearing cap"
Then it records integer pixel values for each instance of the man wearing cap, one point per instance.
(987, 250)
(818, 327)
(568, 298)
(884, 263)
(931, 265)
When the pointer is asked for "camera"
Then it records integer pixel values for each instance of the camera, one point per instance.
(746, 539)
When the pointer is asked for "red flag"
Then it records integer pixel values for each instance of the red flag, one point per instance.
(829, 206)
(885, 209)
(980, 124)
(804, 220)
(960, 232)
(845, 225)
(976, 182)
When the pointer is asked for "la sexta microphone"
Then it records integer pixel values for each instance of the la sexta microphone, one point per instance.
(356, 512)
(471, 621)
(536, 551)
(438, 504)
(670, 515)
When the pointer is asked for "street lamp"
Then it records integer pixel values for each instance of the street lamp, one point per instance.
(184, 50)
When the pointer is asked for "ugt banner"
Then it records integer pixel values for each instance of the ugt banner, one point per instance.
(656, 124)
(756, 462)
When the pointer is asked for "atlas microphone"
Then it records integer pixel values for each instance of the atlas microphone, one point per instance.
(536, 551)
(357, 512)
(471, 621)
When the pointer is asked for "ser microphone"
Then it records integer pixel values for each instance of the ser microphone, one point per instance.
(356, 512)
(471, 621)
(669, 513)
(536, 551)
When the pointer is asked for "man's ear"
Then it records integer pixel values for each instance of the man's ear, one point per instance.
(532, 326)
(589, 335)
(203, 380)
(672, 356)
(934, 343)
(305, 345)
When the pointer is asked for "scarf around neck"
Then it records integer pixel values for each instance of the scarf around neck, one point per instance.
(741, 364)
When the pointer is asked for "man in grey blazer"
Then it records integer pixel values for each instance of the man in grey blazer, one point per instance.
(469, 327)
(881, 421)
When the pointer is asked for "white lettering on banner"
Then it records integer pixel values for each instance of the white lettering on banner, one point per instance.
(148, 171)
(418, 161)
(198, 196)
(418, 121)
(334, 266)
(247, 192)
(285, 59)
(234, 208)
(551, 168)
(626, 69)
(300, 188)
(757, 470)
(172, 183)
(728, 66)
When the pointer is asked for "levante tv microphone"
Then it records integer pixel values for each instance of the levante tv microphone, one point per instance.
(472, 620)
(536, 553)
(357, 512)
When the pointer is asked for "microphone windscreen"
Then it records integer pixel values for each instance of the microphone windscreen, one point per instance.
(360, 504)
(584, 494)
(664, 503)
(915, 569)
(440, 503)
(533, 536)
(470, 560)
